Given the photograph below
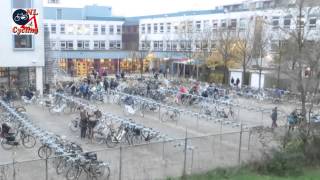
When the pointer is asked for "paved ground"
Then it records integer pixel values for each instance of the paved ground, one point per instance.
(156, 160)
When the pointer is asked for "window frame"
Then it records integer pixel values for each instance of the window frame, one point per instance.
(23, 49)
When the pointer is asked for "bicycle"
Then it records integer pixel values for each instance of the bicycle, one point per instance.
(171, 114)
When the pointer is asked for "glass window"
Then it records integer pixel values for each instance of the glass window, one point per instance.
(161, 27)
(46, 28)
(275, 23)
(118, 44)
(86, 44)
(189, 26)
(174, 45)
(118, 29)
(233, 24)
(95, 29)
(111, 29)
(103, 29)
(300, 22)
(69, 44)
(63, 44)
(62, 29)
(155, 28)
(96, 44)
(214, 24)
(143, 28)
(168, 27)
(168, 46)
(53, 28)
(182, 45)
(149, 28)
(80, 44)
(79, 29)
(198, 26)
(23, 41)
(16, 4)
(312, 23)
(53, 44)
(102, 45)
(53, 1)
(287, 22)
(242, 24)
(223, 23)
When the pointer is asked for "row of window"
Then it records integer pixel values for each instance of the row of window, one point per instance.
(288, 22)
(85, 45)
(191, 26)
(177, 45)
(83, 29)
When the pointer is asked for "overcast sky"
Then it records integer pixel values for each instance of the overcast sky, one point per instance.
(148, 7)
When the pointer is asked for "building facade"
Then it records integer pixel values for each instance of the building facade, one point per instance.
(22, 56)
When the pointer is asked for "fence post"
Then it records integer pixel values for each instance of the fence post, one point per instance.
(240, 144)
(120, 163)
(184, 175)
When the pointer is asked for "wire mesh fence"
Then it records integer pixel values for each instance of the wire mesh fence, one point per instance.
(158, 160)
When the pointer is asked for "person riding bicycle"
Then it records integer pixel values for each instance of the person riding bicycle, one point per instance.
(182, 93)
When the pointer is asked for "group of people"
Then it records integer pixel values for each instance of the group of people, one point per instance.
(235, 83)
(293, 118)
(88, 121)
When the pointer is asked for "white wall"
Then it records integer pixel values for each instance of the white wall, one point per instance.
(19, 58)
(254, 81)
(235, 75)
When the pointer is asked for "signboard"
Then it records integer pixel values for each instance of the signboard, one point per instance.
(25, 22)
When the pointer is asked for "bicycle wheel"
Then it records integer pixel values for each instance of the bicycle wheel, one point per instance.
(5, 145)
(136, 139)
(28, 141)
(98, 137)
(73, 173)
(110, 142)
(44, 152)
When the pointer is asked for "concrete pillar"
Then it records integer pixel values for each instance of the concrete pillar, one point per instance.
(39, 79)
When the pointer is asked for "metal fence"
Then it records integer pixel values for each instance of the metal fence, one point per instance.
(158, 160)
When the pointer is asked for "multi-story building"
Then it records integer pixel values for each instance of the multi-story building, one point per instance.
(81, 38)
(22, 56)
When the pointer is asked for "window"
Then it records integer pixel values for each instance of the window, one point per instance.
(242, 24)
(214, 24)
(168, 46)
(87, 29)
(198, 26)
(223, 23)
(86, 44)
(174, 45)
(312, 23)
(95, 44)
(206, 25)
(274, 45)
(17, 4)
(118, 29)
(161, 27)
(59, 13)
(168, 27)
(95, 29)
(145, 45)
(114, 45)
(103, 29)
(213, 45)
(149, 28)
(198, 45)
(155, 28)
(205, 45)
(80, 44)
(175, 28)
(69, 45)
(70, 29)
(233, 24)
(111, 29)
(158, 45)
(102, 44)
(53, 28)
(46, 28)
(275, 23)
(62, 29)
(287, 22)
(182, 45)
(63, 44)
(143, 28)
(4, 72)
(188, 45)
(300, 22)
(23, 41)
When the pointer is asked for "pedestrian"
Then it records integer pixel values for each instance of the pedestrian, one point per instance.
(92, 122)
(274, 118)
(232, 81)
(83, 122)
(105, 84)
(237, 82)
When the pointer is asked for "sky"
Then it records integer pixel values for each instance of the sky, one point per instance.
(149, 7)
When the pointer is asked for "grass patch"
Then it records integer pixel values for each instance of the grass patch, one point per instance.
(245, 174)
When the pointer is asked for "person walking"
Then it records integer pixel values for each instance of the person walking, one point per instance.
(274, 118)
(83, 122)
